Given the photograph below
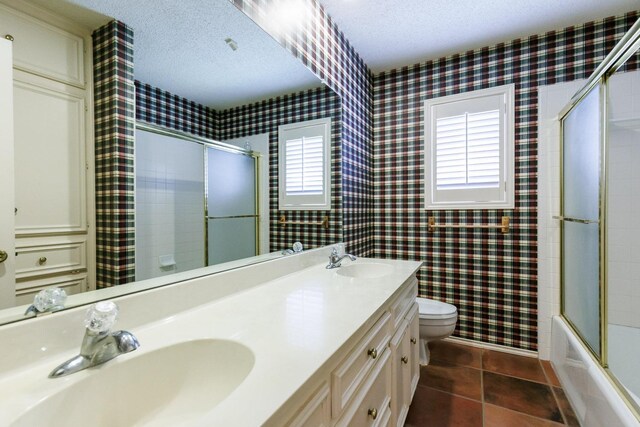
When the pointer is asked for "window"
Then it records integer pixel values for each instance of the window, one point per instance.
(469, 149)
(304, 163)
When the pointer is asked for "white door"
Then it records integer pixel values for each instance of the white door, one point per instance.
(7, 191)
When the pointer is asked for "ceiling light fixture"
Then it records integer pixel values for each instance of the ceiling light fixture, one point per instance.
(231, 43)
(285, 16)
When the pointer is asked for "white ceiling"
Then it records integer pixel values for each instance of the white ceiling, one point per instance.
(388, 34)
(179, 47)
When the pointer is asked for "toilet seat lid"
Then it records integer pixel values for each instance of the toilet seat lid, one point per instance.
(433, 308)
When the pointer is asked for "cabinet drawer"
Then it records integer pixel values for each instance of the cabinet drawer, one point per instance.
(44, 49)
(371, 407)
(316, 412)
(51, 258)
(401, 305)
(25, 291)
(354, 368)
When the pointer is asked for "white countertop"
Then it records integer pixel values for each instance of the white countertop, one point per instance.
(293, 324)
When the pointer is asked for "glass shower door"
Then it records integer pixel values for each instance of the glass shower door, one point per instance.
(581, 171)
(231, 206)
(623, 231)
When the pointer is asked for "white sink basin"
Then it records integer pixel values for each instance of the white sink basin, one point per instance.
(365, 270)
(165, 387)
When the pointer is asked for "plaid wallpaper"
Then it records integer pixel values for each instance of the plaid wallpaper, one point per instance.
(490, 277)
(266, 116)
(114, 136)
(320, 45)
(158, 107)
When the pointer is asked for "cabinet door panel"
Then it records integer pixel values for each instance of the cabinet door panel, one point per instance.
(7, 244)
(414, 352)
(44, 49)
(317, 412)
(49, 156)
(397, 377)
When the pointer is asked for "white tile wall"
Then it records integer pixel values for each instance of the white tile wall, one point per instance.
(551, 99)
(623, 227)
(169, 204)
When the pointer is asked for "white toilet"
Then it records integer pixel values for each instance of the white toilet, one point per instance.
(437, 321)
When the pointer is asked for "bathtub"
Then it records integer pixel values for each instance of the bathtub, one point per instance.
(595, 400)
(624, 352)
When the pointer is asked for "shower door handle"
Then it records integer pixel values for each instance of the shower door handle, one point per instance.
(578, 220)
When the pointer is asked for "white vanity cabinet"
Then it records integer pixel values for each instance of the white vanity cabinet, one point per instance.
(373, 382)
(53, 151)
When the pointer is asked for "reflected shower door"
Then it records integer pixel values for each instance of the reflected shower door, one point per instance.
(581, 169)
(231, 206)
(169, 205)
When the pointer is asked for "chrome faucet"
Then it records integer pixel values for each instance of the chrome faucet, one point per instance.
(99, 344)
(335, 260)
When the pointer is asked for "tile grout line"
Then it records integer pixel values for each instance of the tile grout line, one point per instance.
(553, 392)
(527, 415)
(482, 385)
(450, 393)
(555, 396)
(547, 382)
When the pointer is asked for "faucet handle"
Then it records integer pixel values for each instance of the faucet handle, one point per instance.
(50, 299)
(101, 316)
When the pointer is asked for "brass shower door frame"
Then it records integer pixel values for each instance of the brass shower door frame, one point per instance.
(628, 46)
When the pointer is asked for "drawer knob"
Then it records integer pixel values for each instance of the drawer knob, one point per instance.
(404, 359)
(3, 256)
(42, 260)
(373, 353)
(413, 341)
(373, 413)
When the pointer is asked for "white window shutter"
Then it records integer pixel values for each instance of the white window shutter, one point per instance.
(304, 160)
(469, 150)
(304, 166)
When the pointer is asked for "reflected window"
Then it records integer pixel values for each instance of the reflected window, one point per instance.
(304, 165)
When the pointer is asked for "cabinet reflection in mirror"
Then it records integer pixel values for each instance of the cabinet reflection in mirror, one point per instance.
(129, 167)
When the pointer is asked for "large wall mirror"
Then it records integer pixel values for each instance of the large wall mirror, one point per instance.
(211, 89)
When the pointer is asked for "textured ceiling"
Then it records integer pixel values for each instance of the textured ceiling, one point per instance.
(388, 34)
(179, 47)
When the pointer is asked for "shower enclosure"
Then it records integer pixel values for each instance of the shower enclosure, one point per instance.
(600, 216)
(196, 202)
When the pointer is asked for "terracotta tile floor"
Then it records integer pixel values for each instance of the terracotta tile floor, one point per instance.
(467, 386)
